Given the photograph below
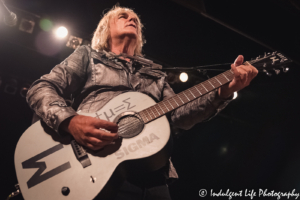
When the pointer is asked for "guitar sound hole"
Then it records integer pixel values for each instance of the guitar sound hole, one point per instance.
(130, 126)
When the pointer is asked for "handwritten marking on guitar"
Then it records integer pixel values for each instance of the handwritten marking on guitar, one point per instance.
(112, 112)
(138, 144)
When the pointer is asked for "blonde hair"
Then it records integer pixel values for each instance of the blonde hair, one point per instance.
(101, 36)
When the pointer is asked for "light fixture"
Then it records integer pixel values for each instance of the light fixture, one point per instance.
(61, 32)
(26, 25)
(285, 69)
(11, 87)
(74, 42)
(183, 77)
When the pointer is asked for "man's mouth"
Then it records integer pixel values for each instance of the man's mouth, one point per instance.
(131, 25)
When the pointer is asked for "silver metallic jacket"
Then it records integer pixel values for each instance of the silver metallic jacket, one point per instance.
(89, 79)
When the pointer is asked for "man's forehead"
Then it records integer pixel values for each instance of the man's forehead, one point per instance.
(126, 11)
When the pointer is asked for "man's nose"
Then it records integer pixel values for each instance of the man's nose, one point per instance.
(132, 19)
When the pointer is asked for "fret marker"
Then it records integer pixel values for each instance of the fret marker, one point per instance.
(175, 101)
(156, 110)
(180, 99)
(148, 113)
(198, 90)
(161, 108)
(170, 104)
(166, 106)
(204, 87)
(191, 93)
(211, 84)
(145, 116)
(226, 77)
(152, 112)
(186, 96)
(218, 80)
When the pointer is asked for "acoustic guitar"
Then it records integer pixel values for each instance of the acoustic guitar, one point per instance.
(50, 167)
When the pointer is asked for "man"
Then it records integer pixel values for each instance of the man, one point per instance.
(93, 76)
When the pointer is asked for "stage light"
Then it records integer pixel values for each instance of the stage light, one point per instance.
(74, 42)
(26, 25)
(61, 32)
(183, 77)
(285, 69)
(235, 94)
(11, 87)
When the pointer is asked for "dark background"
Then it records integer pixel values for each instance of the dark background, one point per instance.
(251, 144)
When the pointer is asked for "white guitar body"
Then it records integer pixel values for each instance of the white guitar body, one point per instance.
(40, 148)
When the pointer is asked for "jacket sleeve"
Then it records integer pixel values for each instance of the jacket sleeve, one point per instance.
(199, 110)
(47, 95)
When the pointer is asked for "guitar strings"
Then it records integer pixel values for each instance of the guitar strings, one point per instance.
(169, 106)
(130, 125)
(183, 95)
(166, 106)
(190, 94)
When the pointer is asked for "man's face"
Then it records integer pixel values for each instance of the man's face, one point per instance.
(123, 25)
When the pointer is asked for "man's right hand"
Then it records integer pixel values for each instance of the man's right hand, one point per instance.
(87, 131)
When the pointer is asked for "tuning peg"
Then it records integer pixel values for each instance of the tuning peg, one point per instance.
(268, 53)
(273, 54)
(283, 59)
(273, 62)
(265, 65)
(285, 69)
(277, 71)
(258, 57)
(268, 73)
(265, 55)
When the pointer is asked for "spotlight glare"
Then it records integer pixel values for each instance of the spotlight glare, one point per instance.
(61, 32)
(235, 94)
(46, 24)
(183, 77)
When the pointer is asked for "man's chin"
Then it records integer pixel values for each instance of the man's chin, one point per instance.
(131, 35)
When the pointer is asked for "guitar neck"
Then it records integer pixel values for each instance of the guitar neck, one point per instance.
(185, 96)
(268, 61)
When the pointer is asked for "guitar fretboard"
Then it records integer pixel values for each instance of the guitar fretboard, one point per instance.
(186, 96)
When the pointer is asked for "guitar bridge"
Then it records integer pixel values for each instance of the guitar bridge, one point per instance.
(81, 154)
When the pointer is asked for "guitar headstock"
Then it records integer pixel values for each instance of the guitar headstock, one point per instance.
(271, 62)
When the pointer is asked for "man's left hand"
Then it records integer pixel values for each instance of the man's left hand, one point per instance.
(243, 75)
